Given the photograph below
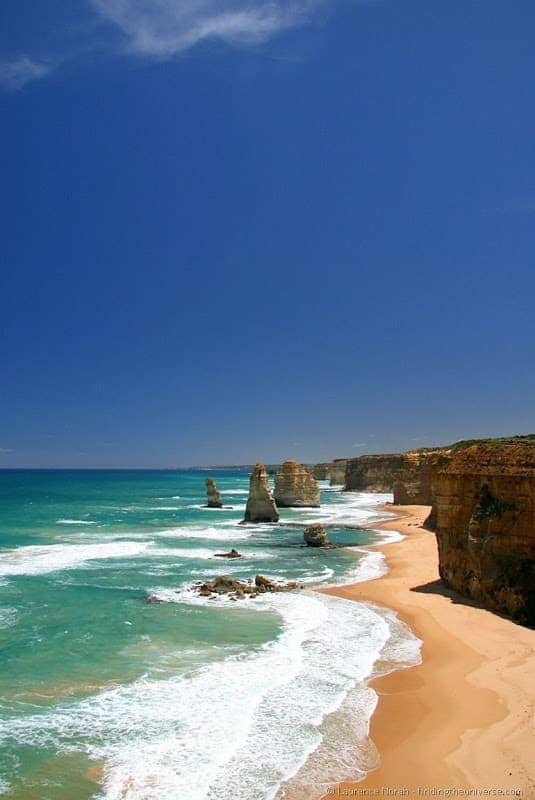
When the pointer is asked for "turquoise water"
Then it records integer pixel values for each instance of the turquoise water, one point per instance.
(107, 696)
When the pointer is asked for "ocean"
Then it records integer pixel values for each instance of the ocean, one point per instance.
(104, 695)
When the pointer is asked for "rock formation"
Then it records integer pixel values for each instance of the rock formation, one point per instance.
(321, 472)
(375, 473)
(333, 471)
(413, 483)
(214, 498)
(408, 475)
(337, 471)
(238, 590)
(316, 536)
(260, 504)
(484, 518)
(231, 554)
(482, 494)
(295, 486)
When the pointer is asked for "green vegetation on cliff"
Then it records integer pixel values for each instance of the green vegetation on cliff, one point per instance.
(523, 439)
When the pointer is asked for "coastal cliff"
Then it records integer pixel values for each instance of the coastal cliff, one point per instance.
(333, 471)
(413, 482)
(260, 504)
(321, 472)
(408, 475)
(295, 486)
(337, 471)
(482, 494)
(376, 473)
(484, 519)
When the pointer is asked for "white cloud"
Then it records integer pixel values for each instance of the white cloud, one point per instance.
(359, 444)
(163, 28)
(17, 73)
(5, 451)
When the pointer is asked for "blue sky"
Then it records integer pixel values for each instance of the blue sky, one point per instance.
(239, 231)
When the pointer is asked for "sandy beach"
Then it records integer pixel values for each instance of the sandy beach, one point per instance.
(460, 724)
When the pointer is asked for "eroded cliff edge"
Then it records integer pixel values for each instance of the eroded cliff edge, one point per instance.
(375, 473)
(408, 475)
(333, 471)
(482, 494)
(484, 520)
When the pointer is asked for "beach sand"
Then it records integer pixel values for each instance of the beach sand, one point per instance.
(464, 718)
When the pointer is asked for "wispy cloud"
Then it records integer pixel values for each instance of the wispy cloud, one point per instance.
(5, 451)
(158, 29)
(17, 73)
(163, 28)
(358, 445)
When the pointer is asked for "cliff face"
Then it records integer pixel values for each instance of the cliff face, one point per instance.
(320, 472)
(337, 471)
(484, 518)
(408, 475)
(260, 504)
(413, 482)
(372, 473)
(333, 471)
(295, 486)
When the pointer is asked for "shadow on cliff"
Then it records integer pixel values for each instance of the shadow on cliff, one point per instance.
(437, 587)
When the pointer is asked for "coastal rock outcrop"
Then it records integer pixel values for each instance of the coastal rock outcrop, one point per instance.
(295, 486)
(484, 519)
(214, 498)
(316, 536)
(231, 554)
(238, 590)
(260, 504)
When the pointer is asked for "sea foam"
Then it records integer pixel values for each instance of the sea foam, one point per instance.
(37, 559)
(238, 727)
(271, 721)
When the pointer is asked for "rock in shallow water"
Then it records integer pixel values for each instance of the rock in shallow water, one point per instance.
(231, 554)
(316, 536)
(236, 589)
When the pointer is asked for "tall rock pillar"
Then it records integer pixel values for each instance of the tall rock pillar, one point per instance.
(260, 504)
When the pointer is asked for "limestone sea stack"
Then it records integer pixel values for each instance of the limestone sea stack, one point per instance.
(296, 487)
(214, 498)
(260, 504)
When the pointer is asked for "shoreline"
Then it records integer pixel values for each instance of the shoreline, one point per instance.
(462, 719)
